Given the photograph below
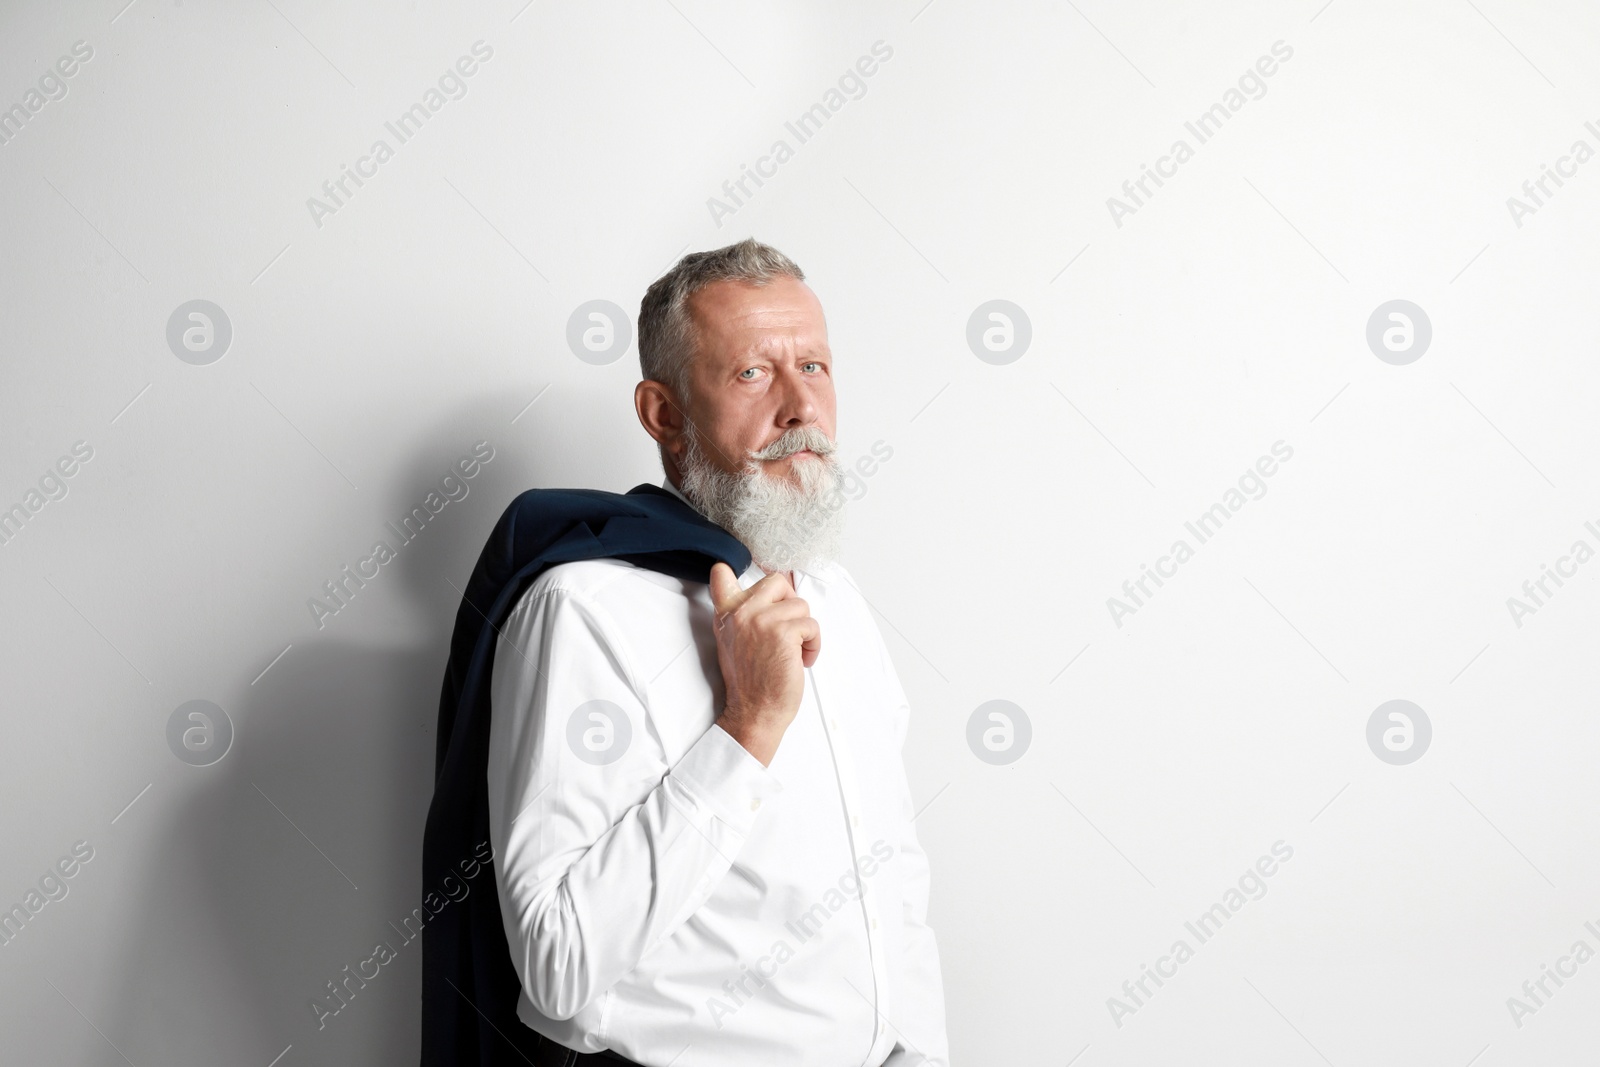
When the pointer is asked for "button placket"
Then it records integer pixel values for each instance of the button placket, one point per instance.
(843, 767)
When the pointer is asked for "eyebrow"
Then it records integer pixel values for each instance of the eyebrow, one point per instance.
(765, 349)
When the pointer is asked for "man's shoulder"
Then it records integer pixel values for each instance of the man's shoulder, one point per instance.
(603, 581)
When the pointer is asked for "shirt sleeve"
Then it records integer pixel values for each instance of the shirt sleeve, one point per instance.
(601, 848)
(918, 1005)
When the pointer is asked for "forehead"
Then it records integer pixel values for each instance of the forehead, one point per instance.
(732, 318)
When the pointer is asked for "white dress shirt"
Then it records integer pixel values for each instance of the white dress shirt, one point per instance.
(667, 896)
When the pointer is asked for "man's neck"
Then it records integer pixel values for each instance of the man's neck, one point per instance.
(666, 483)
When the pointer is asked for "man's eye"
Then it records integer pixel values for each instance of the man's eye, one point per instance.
(813, 364)
(747, 370)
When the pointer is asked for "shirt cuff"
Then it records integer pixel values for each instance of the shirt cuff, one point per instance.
(720, 773)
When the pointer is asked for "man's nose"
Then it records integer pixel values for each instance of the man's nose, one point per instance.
(797, 407)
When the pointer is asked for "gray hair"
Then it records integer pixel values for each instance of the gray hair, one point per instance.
(666, 332)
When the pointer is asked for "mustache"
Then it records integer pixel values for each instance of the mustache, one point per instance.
(798, 439)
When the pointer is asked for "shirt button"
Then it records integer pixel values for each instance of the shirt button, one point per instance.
(833, 723)
(755, 804)
(855, 820)
(874, 924)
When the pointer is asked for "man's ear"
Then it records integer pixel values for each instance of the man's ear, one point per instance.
(662, 416)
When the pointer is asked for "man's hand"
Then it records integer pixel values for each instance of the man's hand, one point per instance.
(766, 638)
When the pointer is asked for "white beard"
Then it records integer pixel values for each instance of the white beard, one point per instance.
(786, 526)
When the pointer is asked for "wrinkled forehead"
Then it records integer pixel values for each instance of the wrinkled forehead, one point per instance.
(737, 319)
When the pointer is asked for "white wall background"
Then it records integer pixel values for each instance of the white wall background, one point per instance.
(1168, 353)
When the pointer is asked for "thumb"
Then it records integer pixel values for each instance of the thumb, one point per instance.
(724, 588)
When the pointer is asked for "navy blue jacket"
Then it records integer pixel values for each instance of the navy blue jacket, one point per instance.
(469, 985)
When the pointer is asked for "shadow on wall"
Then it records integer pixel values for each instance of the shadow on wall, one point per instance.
(251, 911)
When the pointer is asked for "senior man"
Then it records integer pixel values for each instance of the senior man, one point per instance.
(702, 828)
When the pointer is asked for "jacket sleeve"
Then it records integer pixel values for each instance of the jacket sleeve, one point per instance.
(602, 849)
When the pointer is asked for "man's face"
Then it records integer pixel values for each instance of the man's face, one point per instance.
(751, 445)
(761, 368)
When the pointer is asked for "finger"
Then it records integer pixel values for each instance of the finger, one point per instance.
(773, 588)
(810, 633)
(725, 592)
(812, 647)
(784, 610)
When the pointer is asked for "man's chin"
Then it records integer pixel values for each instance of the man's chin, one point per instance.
(786, 511)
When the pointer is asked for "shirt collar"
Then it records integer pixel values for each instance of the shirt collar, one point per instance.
(666, 483)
